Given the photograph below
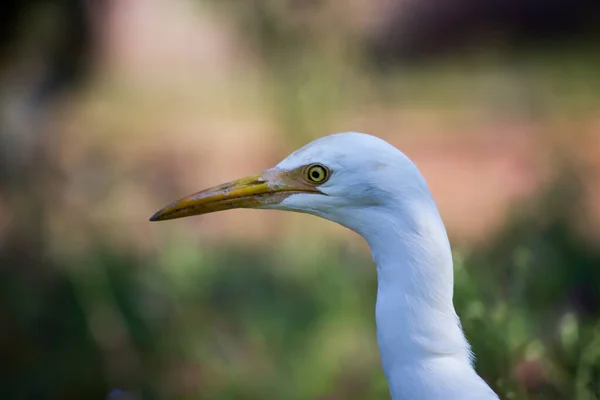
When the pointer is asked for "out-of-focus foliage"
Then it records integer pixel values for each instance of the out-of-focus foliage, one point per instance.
(95, 302)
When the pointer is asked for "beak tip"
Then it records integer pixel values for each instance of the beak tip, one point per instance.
(155, 217)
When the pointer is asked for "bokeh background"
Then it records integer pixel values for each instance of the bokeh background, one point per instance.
(110, 109)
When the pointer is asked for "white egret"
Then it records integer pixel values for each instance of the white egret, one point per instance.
(372, 188)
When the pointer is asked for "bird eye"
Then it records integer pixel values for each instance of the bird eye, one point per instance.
(317, 173)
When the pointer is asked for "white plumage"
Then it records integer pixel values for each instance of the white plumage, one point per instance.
(375, 190)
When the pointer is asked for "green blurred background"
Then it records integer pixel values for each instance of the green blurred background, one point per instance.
(110, 109)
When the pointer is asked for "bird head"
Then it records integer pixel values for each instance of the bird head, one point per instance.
(342, 177)
(369, 186)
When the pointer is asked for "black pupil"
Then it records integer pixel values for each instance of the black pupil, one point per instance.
(315, 174)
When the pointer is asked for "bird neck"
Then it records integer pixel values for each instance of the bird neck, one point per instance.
(416, 320)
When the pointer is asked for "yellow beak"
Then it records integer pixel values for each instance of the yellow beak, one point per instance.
(270, 187)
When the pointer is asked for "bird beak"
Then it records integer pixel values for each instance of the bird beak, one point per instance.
(255, 191)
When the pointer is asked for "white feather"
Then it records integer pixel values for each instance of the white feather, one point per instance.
(378, 192)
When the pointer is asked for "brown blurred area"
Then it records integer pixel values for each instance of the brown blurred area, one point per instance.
(110, 109)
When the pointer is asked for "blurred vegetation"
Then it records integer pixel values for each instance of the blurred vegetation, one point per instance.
(290, 317)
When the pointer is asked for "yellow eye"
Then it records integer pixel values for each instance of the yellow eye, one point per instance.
(317, 173)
